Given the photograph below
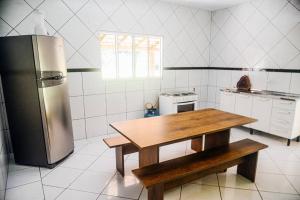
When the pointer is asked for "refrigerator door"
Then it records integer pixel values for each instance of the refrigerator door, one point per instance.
(54, 98)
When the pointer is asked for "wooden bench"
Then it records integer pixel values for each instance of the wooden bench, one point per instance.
(123, 147)
(162, 176)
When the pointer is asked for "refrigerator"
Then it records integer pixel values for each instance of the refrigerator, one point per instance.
(33, 72)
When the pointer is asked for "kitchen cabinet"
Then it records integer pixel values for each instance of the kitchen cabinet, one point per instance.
(228, 101)
(262, 109)
(243, 105)
(275, 115)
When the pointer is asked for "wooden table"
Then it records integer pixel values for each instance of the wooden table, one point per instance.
(207, 128)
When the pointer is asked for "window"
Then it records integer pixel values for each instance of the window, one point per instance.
(129, 56)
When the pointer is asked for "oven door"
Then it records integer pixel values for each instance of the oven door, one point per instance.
(186, 106)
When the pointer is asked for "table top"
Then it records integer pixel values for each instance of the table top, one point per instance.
(167, 129)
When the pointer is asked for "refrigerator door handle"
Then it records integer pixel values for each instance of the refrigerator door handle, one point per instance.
(51, 78)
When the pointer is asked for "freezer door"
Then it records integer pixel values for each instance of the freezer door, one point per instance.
(54, 98)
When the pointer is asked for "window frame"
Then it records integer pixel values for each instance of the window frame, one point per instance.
(133, 56)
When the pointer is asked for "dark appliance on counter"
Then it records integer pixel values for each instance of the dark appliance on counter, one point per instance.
(33, 72)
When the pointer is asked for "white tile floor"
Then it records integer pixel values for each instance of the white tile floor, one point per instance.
(90, 174)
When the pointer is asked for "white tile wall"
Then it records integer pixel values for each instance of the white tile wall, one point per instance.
(256, 34)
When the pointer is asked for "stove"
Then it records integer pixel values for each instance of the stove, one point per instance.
(176, 102)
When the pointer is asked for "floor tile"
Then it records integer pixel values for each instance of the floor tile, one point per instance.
(238, 194)
(268, 167)
(77, 195)
(94, 149)
(173, 194)
(203, 192)
(31, 191)
(91, 181)
(61, 177)
(45, 171)
(79, 161)
(234, 180)
(208, 180)
(15, 167)
(51, 193)
(106, 197)
(104, 164)
(21, 177)
(128, 187)
(295, 181)
(274, 183)
(289, 168)
(278, 196)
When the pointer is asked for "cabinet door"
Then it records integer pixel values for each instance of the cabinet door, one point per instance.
(261, 110)
(243, 105)
(227, 101)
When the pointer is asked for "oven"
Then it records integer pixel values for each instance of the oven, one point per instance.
(171, 103)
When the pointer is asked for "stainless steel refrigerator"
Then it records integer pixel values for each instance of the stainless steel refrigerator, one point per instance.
(33, 72)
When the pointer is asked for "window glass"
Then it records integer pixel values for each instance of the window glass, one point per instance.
(124, 49)
(128, 56)
(108, 56)
(141, 56)
(154, 56)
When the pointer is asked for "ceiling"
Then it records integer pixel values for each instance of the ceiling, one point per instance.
(209, 4)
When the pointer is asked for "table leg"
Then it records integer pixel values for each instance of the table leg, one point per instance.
(217, 139)
(148, 156)
(197, 144)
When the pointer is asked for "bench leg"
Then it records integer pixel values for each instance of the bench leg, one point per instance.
(248, 168)
(120, 160)
(156, 192)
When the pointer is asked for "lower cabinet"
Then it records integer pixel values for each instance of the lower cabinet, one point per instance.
(279, 117)
(262, 110)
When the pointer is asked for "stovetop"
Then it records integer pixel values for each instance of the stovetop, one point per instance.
(178, 94)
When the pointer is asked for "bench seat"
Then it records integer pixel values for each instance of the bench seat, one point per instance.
(123, 147)
(159, 177)
(116, 141)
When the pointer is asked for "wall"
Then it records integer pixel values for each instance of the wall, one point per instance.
(258, 34)
(95, 102)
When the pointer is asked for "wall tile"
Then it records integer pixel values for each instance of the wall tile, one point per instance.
(77, 107)
(75, 84)
(168, 79)
(56, 12)
(151, 96)
(258, 80)
(96, 126)
(115, 118)
(152, 84)
(135, 101)
(279, 81)
(14, 11)
(295, 83)
(93, 83)
(224, 78)
(194, 78)
(79, 129)
(115, 86)
(135, 115)
(134, 85)
(116, 103)
(182, 78)
(95, 105)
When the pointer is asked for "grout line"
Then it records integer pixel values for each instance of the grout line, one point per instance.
(219, 186)
(258, 191)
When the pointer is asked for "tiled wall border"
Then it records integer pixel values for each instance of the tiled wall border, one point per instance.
(200, 68)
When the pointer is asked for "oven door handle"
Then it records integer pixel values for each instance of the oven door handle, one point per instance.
(185, 103)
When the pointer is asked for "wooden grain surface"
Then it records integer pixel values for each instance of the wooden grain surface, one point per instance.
(205, 162)
(156, 131)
